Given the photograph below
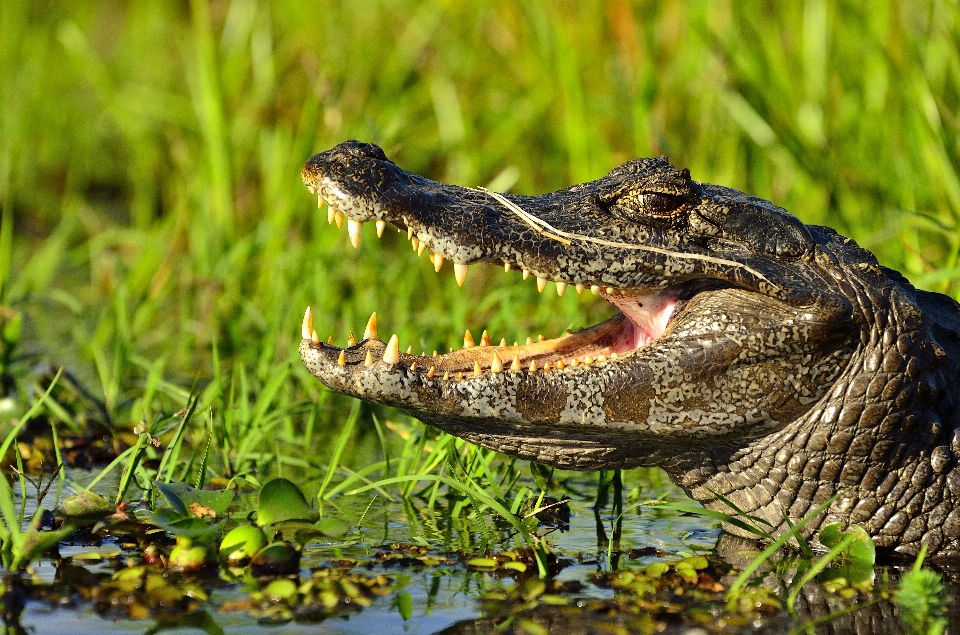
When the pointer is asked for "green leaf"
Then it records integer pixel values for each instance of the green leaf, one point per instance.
(280, 501)
(333, 527)
(861, 550)
(85, 508)
(181, 496)
(404, 604)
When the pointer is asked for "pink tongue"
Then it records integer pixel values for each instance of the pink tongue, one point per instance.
(649, 313)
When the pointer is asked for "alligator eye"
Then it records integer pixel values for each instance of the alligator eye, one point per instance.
(658, 203)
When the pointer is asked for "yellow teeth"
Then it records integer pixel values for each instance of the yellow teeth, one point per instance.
(496, 366)
(560, 364)
(351, 340)
(541, 284)
(392, 353)
(515, 365)
(331, 215)
(468, 339)
(485, 338)
(422, 248)
(506, 266)
(437, 261)
(370, 333)
(476, 369)
(446, 376)
(319, 201)
(314, 337)
(381, 225)
(410, 351)
(353, 228)
(415, 242)
(342, 360)
(330, 340)
(580, 287)
(561, 288)
(526, 274)
(413, 367)
(503, 342)
(307, 325)
(409, 233)
(369, 360)
(460, 272)
(533, 366)
(431, 372)
(338, 218)
(595, 289)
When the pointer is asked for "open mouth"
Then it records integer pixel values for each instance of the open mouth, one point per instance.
(645, 315)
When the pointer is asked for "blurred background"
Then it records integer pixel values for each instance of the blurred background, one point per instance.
(155, 234)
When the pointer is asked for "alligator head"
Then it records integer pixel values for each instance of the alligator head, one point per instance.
(751, 356)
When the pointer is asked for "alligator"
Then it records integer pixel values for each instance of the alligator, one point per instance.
(760, 361)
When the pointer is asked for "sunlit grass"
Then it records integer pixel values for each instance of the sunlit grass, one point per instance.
(155, 236)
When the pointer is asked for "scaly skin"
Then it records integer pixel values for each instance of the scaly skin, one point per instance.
(756, 357)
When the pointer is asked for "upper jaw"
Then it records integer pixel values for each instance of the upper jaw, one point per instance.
(567, 236)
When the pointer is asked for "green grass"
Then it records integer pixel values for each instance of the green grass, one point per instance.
(155, 236)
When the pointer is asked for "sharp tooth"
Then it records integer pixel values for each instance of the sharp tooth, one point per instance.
(353, 228)
(476, 369)
(413, 367)
(319, 201)
(459, 376)
(314, 337)
(338, 218)
(587, 360)
(574, 362)
(307, 324)
(567, 332)
(370, 333)
(560, 364)
(369, 360)
(515, 365)
(351, 340)
(613, 356)
(392, 353)
(503, 342)
(410, 350)
(331, 215)
(436, 354)
(431, 372)
(409, 232)
(342, 360)
(541, 284)
(446, 376)
(595, 289)
(381, 225)
(460, 272)
(330, 340)
(415, 242)
(516, 343)
(580, 288)
(561, 288)
(468, 339)
(437, 261)
(529, 340)
(422, 248)
(601, 358)
(496, 366)
(506, 266)
(526, 274)
(533, 365)
(541, 338)
(546, 366)
(485, 338)
(610, 290)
